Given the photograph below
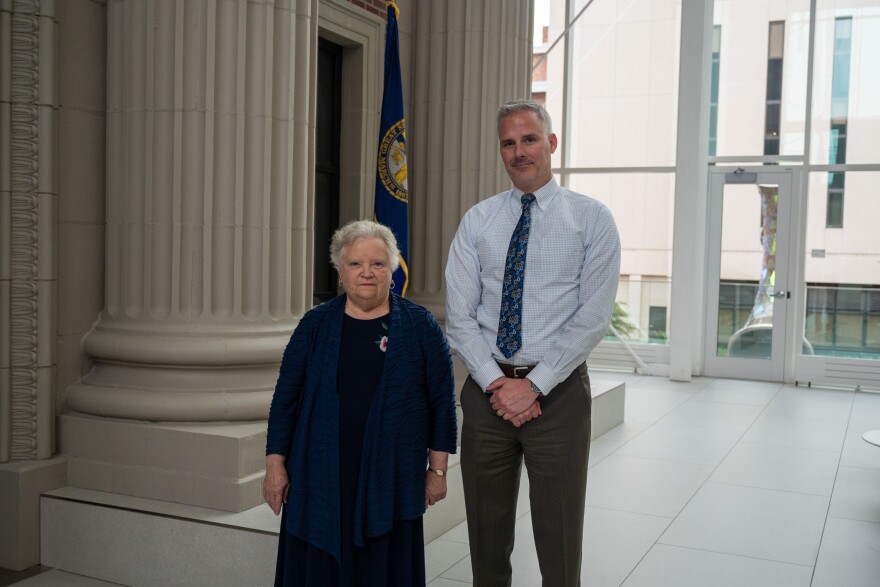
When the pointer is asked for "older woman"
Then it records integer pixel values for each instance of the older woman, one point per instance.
(361, 426)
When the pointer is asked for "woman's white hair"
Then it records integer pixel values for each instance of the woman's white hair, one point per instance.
(358, 229)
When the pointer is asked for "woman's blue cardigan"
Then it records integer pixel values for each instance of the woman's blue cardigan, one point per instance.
(413, 410)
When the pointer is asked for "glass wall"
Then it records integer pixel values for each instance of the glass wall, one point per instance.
(846, 83)
(761, 77)
(615, 115)
(642, 205)
(842, 269)
(842, 256)
(759, 87)
(608, 73)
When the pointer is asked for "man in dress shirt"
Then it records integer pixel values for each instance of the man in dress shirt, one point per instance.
(534, 404)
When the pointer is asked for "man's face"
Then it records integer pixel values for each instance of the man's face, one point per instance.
(526, 149)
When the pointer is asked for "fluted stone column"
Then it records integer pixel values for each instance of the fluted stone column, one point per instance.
(470, 57)
(209, 246)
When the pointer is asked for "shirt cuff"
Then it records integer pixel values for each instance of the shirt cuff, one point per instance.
(543, 377)
(487, 374)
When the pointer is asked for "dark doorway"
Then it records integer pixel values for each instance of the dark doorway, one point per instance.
(327, 165)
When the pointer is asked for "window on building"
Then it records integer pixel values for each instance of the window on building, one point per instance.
(839, 119)
(657, 322)
(834, 209)
(713, 100)
(843, 321)
(773, 107)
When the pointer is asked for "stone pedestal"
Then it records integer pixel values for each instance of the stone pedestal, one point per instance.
(212, 465)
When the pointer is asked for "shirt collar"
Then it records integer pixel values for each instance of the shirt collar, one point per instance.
(543, 196)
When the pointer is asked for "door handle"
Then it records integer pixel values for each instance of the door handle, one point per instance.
(780, 295)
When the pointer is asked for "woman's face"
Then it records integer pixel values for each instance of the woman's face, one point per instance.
(366, 272)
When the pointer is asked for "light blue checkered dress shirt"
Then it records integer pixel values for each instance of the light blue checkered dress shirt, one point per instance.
(572, 270)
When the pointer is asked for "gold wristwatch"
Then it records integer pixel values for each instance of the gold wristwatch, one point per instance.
(438, 472)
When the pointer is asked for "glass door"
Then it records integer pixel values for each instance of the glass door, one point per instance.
(748, 293)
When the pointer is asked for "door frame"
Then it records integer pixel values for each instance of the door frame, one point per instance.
(789, 232)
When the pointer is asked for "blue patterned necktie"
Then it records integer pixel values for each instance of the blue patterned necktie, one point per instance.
(510, 321)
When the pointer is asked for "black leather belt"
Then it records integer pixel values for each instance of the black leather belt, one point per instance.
(515, 372)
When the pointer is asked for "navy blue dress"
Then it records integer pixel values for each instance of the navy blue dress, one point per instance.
(396, 559)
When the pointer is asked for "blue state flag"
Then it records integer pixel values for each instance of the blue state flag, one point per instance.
(391, 207)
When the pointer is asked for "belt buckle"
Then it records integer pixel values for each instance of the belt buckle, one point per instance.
(520, 372)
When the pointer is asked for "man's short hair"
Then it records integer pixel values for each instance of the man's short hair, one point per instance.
(515, 106)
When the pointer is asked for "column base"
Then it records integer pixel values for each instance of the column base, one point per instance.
(212, 465)
(21, 483)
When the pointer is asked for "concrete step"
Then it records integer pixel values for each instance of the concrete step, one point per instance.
(140, 541)
(609, 400)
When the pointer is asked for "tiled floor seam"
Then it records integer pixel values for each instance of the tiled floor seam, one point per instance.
(730, 484)
(833, 485)
(757, 558)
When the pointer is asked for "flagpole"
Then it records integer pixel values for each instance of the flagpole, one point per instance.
(391, 206)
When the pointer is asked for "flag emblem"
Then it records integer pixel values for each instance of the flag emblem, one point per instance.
(392, 161)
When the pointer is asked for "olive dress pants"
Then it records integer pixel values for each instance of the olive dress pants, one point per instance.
(555, 448)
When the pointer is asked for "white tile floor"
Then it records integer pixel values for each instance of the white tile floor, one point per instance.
(717, 483)
(708, 483)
